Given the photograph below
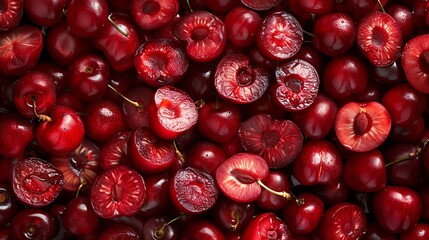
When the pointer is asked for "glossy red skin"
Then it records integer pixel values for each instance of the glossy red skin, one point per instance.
(56, 72)
(70, 100)
(121, 82)
(222, 7)
(310, 54)
(87, 18)
(334, 34)
(241, 25)
(408, 134)
(118, 48)
(149, 153)
(204, 33)
(317, 121)
(266, 225)
(277, 181)
(103, 120)
(9, 206)
(389, 75)
(34, 88)
(155, 223)
(408, 172)
(303, 218)
(63, 134)
(375, 232)
(313, 8)
(79, 217)
(137, 117)
(397, 209)
(344, 75)
(219, 121)
(232, 216)
(153, 14)
(198, 81)
(157, 198)
(63, 46)
(171, 112)
(88, 77)
(404, 104)
(261, 5)
(333, 193)
(365, 172)
(26, 220)
(118, 231)
(404, 18)
(343, 221)
(44, 13)
(418, 232)
(202, 229)
(11, 14)
(290, 41)
(206, 156)
(259, 59)
(115, 151)
(415, 68)
(20, 49)
(17, 132)
(319, 162)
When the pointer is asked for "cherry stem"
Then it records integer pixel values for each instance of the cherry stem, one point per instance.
(136, 104)
(189, 6)
(381, 6)
(308, 33)
(178, 153)
(159, 232)
(236, 216)
(81, 185)
(283, 194)
(65, 12)
(407, 157)
(116, 26)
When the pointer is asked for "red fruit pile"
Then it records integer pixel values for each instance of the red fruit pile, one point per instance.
(214, 119)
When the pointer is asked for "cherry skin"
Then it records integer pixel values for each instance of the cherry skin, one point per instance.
(202, 230)
(419, 231)
(241, 26)
(79, 217)
(277, 181)
(17, 132)
(87, 18)
(33, 222)
(232, 216)
(205, 156)
(44, 13)
(9, 205)
(157, 198)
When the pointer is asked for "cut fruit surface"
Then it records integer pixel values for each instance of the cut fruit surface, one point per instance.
(415, 61)
(278, 142)
(237, 176)
(361, 127)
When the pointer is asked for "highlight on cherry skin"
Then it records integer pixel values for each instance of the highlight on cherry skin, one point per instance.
(214, 119)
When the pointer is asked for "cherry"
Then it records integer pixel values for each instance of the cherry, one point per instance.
(297, 85)
(404, 18)
(414, 62)
(56, 72)
(319, 162)
(44, 13)
(266, 226)
(419, 231)
(205, 156)
(202, 230)
(157, 199)
(136, 107)
(118, 191)
(221, 7)
(408, 134)
(79, 217)
(311, 9)
(277, 181)
(70, 100)
(9, 205)
(36, 182)
(20, 49)
(33, 223)
(204, 33)
(280, 36)
(261, 5)
(241, 25)
(397, 209)
(11, 14)
(375, 232)
(277, 141)
(87, 18)
(334, 34)
(198, 81)
(17, 132)
(232, 216)
(160, 62)
(119, 230)
(343, 221)
(153, 14)
(391, 75)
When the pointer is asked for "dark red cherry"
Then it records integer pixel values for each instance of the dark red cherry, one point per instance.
(157, 197)
(33, 223)
(277, 181)
(206, 156)
(44, 13)
(17, 132)
(241, 26)
(9, 206)
(202, 229)
(232, 216)
(79, 218)
(87, 18)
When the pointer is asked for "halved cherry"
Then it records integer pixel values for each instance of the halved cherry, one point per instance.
(193, 191)
(280, 37)
(379, 38)
(266, 226)
(238, 82)
(238, 176)
(20, 49)
(115, 151)
(172, 112)
(36, 182)
(119, 191)
(261, 5)
(277, 141)
(153, 14)
(11, 14)
(204, 33)
(149, 153)
(415, 61)
(297, 85)
(80, 167)
(361, 127)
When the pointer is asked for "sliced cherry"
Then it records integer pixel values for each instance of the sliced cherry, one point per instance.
(115, 151)
(34, 93)
(297, 85)
(17, 132)
(36, 182)
(11, 14)
(236, 81)
(161, 62)
(280, 36)
(20, 49)
(266, 226)
(361, 127)
(193, 191)
(343, 221)
(172, 112)
(415, 61)
(80, 167)
(149, 153)
(119, 191)
(261, 5)
(204, 34)
(379, 38)
(277, 141)
(153, 14)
